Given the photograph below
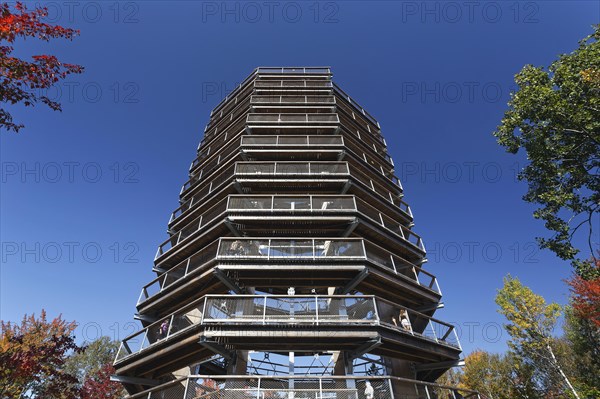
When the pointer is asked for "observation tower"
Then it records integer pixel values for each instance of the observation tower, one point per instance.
(292, 269)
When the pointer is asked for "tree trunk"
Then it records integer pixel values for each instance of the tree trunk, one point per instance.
(561, 371)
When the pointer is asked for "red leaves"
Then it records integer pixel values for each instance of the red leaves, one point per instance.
(32, 356)
(99, 385)
(28, 23)
(21, 80)
(586, 294)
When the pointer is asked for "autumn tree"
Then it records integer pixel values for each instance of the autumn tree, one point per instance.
(98, 385)
(32, 359)
(93, 368)
(585, 290)
(530, 325)
(24, 81)
(554, 116)
(487, 373)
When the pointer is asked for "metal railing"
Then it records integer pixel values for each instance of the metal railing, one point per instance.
(180, 271)
(294, 70)
(287, 140)
(292, 168)
(325, 203)
(277, 84)
(290, 249)
(310, 310)
(291, 98)
(317, 169)
(302, 248)
(302, 387)
(292, 118)
(291, 203)
(192, 227)
(356, 105)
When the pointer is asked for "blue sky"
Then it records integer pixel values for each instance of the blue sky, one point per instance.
(86, 193)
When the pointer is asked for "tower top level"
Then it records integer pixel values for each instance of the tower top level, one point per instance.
(292, 268)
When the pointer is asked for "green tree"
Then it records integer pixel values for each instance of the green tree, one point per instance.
(530, 325)
(583, 337)
(97, 354)
(554, 116)
(93, 368)
(498, 376)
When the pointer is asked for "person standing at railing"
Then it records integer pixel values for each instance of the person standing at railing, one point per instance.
(404, 321)
(369, 391)
(163, 329)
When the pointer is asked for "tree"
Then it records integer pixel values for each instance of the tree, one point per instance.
(554, 116)
(531, 322)
(23, 81)
(585, 290)
(498, 376)
(583, 337)
(32, 359)
(99, 386)
(488, 374)
(93, 368)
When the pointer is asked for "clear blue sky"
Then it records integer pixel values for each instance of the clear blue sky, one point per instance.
(105, 174)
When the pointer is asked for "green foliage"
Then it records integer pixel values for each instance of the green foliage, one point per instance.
(530, 325)
(554, 116)
(583, 337)
(499, 376)
(531, 320)
(89, 362)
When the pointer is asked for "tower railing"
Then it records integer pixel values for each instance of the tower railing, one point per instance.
(292, 118)
(291, 249)
(291, 310)
(291, 99)
(292, 84)
(301, 387)
(356, 105)
(293, 140)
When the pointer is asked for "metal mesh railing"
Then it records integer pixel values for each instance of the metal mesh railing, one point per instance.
(302, 387)
(292, 98)
(308, 203)
(301, 248)
(293, 118)
(292, 168)
(292, 83)
(290, 309)
(180, 271)
(334, 141)
(192, 227)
